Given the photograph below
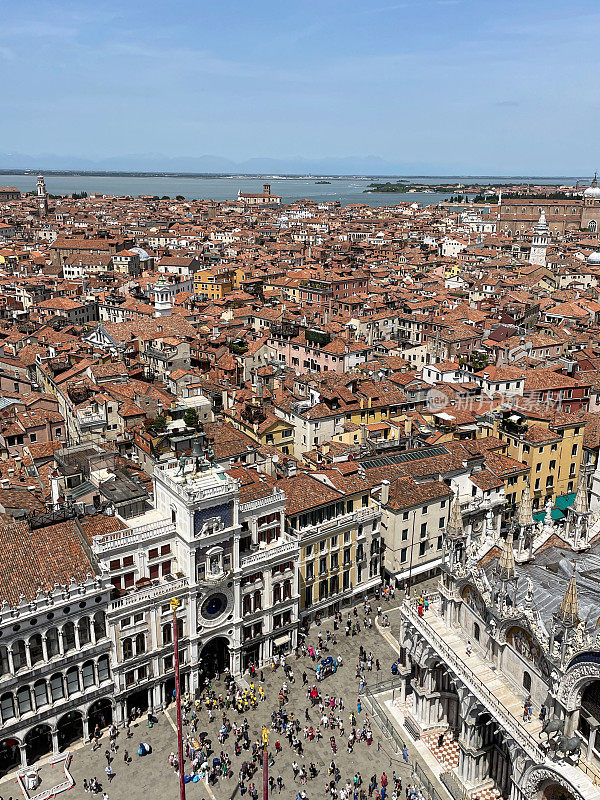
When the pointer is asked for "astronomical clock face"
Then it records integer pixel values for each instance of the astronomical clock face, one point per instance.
(215, 607)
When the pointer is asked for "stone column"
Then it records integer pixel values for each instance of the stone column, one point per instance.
(571, 722)
(591, 742)
(55, 741)
(23, 754)
(504, 774)
(45, 649)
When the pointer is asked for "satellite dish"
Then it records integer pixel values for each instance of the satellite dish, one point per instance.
(275, 459)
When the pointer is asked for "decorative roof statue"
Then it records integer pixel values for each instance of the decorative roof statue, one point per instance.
(568, 614)
(526, 525)
(580, 504)
(578, 515)
(455, 528)
(524, 512)
(507, 570)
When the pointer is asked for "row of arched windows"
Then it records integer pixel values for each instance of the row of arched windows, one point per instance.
(59, 687)
(137, 645)
(251, 602)
(26, 653)
(282, 591)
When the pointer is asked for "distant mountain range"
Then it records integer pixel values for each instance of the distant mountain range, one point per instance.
(154, 162)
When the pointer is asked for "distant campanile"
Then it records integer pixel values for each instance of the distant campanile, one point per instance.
(42, 196)
(539, 243)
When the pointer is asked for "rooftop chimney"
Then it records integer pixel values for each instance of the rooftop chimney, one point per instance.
(384, 495)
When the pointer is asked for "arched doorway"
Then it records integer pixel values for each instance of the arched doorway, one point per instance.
(38, 742)
(10, 756)
(138, 700)
(70, 729)
(589, 719)
(214, 657)
(100, 714)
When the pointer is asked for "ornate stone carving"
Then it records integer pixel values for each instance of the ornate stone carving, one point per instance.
(539, 775)
(574, 680)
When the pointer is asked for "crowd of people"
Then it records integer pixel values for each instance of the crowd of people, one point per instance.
(220, 734)
(221, 745)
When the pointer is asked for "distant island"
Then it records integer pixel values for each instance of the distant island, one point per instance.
(322, 181)
(401, 188)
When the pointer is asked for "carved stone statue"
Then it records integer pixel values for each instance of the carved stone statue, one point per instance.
(556, 649)
(580, 636)
(548, 521)
(529, 584)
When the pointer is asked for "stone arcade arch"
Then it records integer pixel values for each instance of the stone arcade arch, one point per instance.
(214, 657)
(38, 742)
(10, 755)
(69, 728)
(99, 714)
(544, 783)
(583, 672)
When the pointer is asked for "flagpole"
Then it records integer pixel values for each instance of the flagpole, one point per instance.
(174, 606)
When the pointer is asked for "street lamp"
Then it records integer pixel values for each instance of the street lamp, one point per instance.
(174, 606)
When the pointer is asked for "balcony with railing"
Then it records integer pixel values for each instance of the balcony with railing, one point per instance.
(90, 419)
(150, 595)
(439, 637)
(264, 553)
(129, 537)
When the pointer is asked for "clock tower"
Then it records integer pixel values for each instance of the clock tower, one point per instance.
(42, 196)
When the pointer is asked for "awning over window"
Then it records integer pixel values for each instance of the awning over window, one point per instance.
(402, 576)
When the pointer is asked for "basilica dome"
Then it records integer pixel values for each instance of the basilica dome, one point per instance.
(593, 192)
(594, 258)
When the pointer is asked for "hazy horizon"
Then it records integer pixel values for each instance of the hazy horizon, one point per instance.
(399, 87)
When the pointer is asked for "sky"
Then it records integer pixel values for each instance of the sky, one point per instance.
(458, 86)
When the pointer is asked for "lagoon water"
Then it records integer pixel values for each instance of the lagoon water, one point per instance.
(342, 189)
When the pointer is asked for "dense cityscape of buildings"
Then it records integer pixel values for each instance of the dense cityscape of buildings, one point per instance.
(268, 411)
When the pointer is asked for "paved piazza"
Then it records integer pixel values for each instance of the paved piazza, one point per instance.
(152, 776)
